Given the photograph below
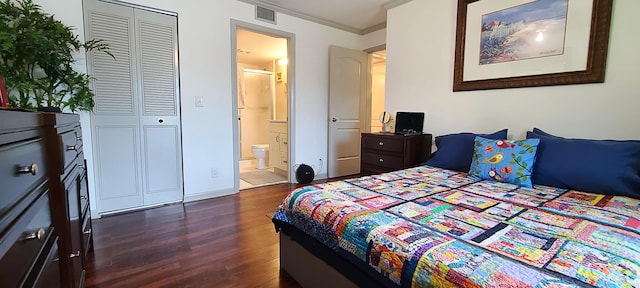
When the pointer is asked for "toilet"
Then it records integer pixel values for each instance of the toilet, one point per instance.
(260, 151)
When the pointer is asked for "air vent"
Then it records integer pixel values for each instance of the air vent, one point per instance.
(266, 14)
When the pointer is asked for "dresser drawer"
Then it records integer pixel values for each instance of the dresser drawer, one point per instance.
(84, 192)
(383, 144)
(49, 276)
(22, 168)
(87, 233)
(383, 160)
(23, 243)
(71, 145)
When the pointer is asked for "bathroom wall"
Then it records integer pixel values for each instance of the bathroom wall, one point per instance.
(281, 91)
(377, 94)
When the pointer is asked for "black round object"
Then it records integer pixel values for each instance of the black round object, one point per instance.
(304, 174)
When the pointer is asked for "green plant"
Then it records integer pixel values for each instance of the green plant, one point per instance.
(36, 59)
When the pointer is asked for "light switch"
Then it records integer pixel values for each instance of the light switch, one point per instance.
(199, 101)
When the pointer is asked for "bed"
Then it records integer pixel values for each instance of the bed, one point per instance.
(435, 227)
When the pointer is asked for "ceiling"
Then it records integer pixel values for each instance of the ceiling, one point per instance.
(357, 16)
(258, 49)
(354, 14)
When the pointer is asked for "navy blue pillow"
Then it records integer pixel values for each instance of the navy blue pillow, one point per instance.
(455, 151)
(610, 167)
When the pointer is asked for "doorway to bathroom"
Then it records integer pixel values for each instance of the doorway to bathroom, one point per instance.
(262, 108)
(378, 66)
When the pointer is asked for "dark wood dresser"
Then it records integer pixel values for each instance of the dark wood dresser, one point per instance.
(45, 222)
(384, 152)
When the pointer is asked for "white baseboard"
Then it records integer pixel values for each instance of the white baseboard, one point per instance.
(209, 195)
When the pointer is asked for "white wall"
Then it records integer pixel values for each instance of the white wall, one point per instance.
(205, 70)
(420, 56)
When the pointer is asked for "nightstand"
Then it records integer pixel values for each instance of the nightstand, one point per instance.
(384, 152)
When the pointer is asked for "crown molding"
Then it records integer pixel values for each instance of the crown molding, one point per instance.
(373, 28)
(318, 20)
(395, 3)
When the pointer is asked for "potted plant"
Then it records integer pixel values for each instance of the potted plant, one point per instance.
(36, 59)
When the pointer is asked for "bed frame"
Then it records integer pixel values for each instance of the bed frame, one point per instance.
(306, 269)
(312, 264)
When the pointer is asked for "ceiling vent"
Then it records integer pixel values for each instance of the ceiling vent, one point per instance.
(266, 14)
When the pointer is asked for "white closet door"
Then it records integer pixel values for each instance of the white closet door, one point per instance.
(136, 121)
(160, 117)
(115, 121)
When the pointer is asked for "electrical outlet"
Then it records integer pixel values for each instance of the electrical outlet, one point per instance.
(214, 172)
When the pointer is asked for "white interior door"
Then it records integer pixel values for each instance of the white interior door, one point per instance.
(157, 45)
(136, 121)
(347, 97)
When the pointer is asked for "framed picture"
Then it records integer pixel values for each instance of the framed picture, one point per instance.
(4, 96)
(527, 43)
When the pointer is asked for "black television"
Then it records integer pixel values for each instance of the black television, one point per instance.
(409, 123)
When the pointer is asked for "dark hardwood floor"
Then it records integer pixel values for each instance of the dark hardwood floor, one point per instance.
(224, 242)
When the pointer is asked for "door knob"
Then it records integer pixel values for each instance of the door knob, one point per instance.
(334, 119)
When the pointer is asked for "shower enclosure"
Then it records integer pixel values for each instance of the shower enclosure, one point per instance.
(256, 96)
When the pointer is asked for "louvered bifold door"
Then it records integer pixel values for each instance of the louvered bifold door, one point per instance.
(136, 120)
(160, 114)
(116, 118)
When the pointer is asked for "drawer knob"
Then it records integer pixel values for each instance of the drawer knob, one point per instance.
(35, 235)
(71, 256)
(83, 197)
(79, 138)
(381, 160)
(72, 147)
(29, 169)
(381, 143)
(87, 232)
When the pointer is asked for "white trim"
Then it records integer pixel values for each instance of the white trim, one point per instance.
(395, 3)
(142, 7)
(134, 209)
(291, 45)
(209, 195)
(373, 28)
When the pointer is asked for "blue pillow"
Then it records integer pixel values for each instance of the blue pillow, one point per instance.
(509, 161)
(610, 167)
(456, 150)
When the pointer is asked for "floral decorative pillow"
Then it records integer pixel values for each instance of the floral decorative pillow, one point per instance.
(509, 161)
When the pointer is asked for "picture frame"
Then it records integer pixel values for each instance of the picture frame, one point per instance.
(580, 59)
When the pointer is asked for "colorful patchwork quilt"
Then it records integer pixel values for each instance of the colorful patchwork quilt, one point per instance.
(431, 227)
